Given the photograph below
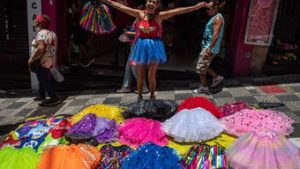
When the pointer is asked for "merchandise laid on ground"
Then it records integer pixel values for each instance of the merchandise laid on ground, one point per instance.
(155, 134)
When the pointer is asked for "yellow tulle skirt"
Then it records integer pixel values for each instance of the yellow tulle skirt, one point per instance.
(101, 110)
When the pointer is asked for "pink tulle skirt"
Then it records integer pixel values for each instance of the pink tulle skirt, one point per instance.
(257, 120)
(137, 131)
(263, 151)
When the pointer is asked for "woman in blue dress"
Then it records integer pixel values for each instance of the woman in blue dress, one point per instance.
(148, 51)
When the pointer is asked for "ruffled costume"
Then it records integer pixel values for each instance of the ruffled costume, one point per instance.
(70, 157)
(151, 156)
(155, 109)
(11, 158)
(263, 151)
(149, 46)
(195, 125)
(137, 131)
(203, 156)
(257, 120)
(101, 110)
(96, 18)
(202, 102)
(112, 156)
(91, 128)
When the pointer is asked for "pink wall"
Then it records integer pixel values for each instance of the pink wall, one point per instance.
(55, 9)
(240, 64)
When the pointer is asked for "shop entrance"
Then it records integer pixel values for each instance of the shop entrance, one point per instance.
(182, 37)
(284, 53)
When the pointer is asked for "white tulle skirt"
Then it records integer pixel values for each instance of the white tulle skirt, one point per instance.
(194, 125)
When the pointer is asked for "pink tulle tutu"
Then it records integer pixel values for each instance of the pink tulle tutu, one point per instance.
(263, 151)
(202, 102)
(257, 120)
(137, 131)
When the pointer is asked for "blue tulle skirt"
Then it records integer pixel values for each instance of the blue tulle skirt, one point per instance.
(146, 51)
(152, 156)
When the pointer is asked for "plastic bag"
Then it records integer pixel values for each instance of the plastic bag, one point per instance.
(57, 75)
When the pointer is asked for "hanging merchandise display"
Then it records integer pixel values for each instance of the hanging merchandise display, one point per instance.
(96, 18)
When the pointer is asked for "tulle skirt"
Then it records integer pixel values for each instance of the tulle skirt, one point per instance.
(155, 109)
(11, 158)
(195, 125)
(257, 120)
(148, 50)
(70, 157)
(137, 131)
(151, 156)
(203, 156)
(101, 110)
(263, 151)
(112, 156)
(202, 102)
(99, 129)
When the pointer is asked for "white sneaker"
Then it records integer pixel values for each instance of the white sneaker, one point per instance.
(217, 81)
(201, 90)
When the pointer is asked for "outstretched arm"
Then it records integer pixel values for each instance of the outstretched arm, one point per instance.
(123, 8)
(182, 10)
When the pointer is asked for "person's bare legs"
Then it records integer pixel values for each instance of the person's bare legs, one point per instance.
(152, 78)
(212, 73)
(140, 79)
(203, 80)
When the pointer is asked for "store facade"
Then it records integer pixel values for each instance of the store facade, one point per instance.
(182, 35)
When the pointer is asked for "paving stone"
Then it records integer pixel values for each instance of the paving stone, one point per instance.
(7, 112)
(10, 100)
(221, 101)
(24, 112)
(16, 105)
(32, 105)
(95, 101)
(296, 141)
(255, 92)
(239, 92)
(129, 98)
(222, 94)
(293, 116)
(247, 99)
(83, 97)
(289, 97)
(296, 132)
(100, 96)
(166, 95)
(295, 88)
(232, 82)
(183, 96)
(25, 99)
(203, 95)
(118, 95)
(4, 105)
(281, 109)
(294, 106)
(70, 110)
(267, 98)
(12, 120)
(113, 100)
(78, 102)
(2, 100)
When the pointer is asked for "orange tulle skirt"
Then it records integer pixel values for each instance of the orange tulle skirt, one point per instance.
(70, 157)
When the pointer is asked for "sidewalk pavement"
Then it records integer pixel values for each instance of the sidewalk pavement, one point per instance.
(14, 109)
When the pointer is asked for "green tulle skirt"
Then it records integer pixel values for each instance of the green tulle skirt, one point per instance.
(12, 158)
